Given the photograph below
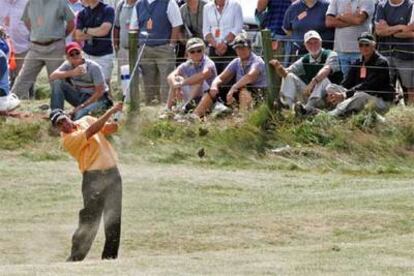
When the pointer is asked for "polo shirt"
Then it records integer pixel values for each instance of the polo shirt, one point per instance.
(255, 62)
(95, 153)
(299, 19)
(188, 69)
(92, 18)
(346, 39)
(47, 19)
(276, 10)
(400, 14)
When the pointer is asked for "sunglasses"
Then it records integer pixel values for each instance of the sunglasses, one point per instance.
(361, 45)
(74, 53)
(198, 51)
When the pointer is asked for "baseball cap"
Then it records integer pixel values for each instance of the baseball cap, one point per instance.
(57, 115)
(193, 43)
(311, 34)
(366, 37)
(241, 40)
(72, 46)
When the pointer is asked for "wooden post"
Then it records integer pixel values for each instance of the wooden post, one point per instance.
(134, 79)
(273, 81)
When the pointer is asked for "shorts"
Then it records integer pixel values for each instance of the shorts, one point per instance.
(106, 62)
(405, 69)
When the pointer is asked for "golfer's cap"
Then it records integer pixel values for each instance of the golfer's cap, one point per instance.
(241, 40)
(72, 46)
(194, 43)
(311, 34)
(57, 115)
(366, 37)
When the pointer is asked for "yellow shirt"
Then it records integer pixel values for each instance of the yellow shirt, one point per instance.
(95, 153)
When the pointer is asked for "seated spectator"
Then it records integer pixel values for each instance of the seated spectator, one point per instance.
(191, 79)
(93, 29)
(249, 73)
(80, 82)
(8, 101)
(391, 25)
(368, 81)
(350, 19)
(222, 21)
(303, 16)
(272, 13)
(306, 79)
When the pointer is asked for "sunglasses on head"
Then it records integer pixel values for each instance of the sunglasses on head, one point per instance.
(74, 53)
(195, 51)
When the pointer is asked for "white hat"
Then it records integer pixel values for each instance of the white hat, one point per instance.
(310, 35)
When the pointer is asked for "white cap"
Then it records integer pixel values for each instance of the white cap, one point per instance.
(310, 35)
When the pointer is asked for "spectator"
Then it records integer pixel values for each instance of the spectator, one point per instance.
(391, 24)
(80, 82)
(49, 23)
(274, 12)
(76, 6)
(306, 79)
(192, 15)
(123, 13)
(93, 28)
(8, 102)
(161, 19)
(303, 16)
(222, 21)
(193, 78)
(10, 18)
(351, 19)
(248, 71)
(368, 81)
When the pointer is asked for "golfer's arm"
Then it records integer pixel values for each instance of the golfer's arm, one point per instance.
(99, 124)
(198, 78)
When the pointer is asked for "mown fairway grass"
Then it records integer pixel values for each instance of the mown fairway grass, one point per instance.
(338, 202)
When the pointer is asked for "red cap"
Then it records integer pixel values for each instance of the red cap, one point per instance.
(72, 46)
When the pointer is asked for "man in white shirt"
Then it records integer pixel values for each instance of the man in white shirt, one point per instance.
(222, 21)
(162, 21)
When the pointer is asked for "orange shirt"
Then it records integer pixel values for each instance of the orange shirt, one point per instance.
(95, 153)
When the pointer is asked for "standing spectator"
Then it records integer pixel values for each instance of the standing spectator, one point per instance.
(93, 28)
(76, 6)
(49, 23)
(123, 14)
(350, 18)
(161, 19)
(8, 101)
(368, 81)
(81, 82)
(391, 20)
(10, 18)
(192, 15)
(303, 16)
(274, 13)
(222, 21)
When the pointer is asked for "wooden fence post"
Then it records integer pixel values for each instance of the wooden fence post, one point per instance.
(134, 79)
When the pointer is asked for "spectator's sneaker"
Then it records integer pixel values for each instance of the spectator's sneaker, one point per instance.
(220, 109)
(299, 109)
(9, 102)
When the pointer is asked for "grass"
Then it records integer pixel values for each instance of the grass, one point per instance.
(337, 201)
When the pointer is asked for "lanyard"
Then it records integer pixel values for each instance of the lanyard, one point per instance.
(216, 13)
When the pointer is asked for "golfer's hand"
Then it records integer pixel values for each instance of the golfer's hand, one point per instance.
(117, 107)
(334, 98)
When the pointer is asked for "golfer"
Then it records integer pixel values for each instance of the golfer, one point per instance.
(86, 141)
